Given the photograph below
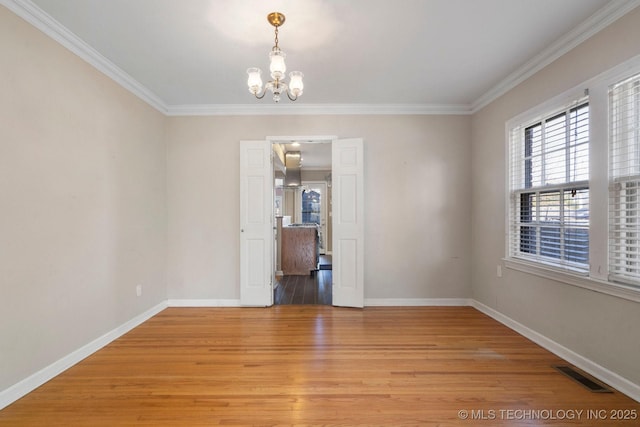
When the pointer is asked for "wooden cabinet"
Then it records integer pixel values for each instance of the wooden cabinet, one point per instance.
(299, 250)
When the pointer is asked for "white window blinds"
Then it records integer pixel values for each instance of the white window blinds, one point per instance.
(549, 206)
(624, 182)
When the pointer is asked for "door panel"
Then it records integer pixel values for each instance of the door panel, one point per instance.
(256, 227)
(348, 222)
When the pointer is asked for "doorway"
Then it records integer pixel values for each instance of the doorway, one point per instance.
(302, 209)
(257, 228)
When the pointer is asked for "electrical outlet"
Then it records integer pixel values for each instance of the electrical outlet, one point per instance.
(499, 270)
(139, 290)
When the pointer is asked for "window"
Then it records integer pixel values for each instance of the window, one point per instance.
(574, 185)
(549, 192)
(624, 181)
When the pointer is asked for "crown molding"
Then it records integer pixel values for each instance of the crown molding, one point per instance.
(594, 24)
(31, 13)
(316, 109)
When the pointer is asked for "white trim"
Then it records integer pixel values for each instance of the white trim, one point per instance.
(204, 303)
(316, 109)
(31, 13)
(570, 278)
(611, 378)
(307, 139)
(417, 302)
(567, 99)
(594, 24)
(34, 381)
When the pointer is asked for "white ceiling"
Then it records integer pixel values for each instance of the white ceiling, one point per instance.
(425, 55)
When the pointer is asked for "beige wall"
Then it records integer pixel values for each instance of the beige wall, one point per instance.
(91, 207)
(599, 327)
(417, 212)
(82, 205)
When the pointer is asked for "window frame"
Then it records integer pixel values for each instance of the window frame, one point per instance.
(597, 276)
(523, 183)
(624, 188)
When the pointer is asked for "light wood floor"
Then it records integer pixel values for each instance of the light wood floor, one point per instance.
(317, 365)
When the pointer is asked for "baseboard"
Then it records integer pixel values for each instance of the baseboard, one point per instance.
(370, 302)
(416, 302)
(204, 303)
(34, 381)
(603, 374)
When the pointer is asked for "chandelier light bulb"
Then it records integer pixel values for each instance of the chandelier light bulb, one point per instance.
(277, 65)
(295, 83)
(255, 80)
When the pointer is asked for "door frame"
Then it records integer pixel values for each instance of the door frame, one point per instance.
(357, 271)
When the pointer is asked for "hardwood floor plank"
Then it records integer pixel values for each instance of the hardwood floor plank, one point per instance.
(316, 365)
(325, 287)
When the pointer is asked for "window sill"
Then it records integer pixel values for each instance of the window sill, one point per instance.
(581, 281)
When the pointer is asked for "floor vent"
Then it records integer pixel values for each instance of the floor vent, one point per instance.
(589, 383)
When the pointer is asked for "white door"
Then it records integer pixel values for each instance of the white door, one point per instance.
(348, 222)
(256, 223)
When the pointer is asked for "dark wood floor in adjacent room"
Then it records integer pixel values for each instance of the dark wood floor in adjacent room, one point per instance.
(318, 365)
(308, 289)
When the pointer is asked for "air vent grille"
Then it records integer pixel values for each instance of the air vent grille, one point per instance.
(589, 383)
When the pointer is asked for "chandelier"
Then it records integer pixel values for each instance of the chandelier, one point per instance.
(278, 68)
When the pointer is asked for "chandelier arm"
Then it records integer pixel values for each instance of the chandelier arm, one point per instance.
(289, 96)
(264, 92)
